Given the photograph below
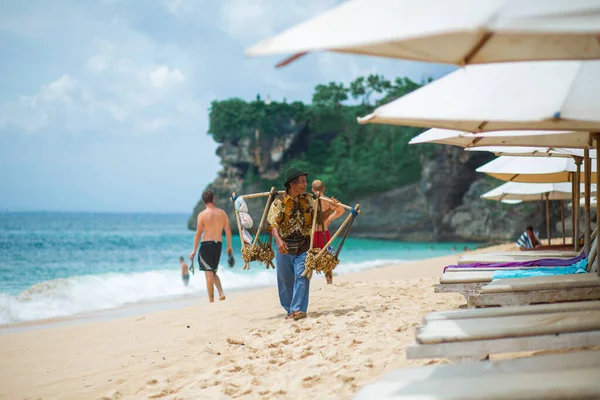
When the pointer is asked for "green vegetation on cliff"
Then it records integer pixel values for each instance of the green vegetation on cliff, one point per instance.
(351, 159)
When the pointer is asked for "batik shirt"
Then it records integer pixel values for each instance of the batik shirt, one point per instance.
(291, 218)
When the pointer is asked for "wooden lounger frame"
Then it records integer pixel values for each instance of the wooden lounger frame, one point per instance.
(554, 376)
(537, 290)
(470, 281)
(474, 334)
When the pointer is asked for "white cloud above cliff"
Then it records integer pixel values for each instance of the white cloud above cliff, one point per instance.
(110, 98)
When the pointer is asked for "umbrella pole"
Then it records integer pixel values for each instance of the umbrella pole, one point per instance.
(562, 220)
(548, 219)
(573, 211)
(597, 136)
(577, 180)
(587, 167)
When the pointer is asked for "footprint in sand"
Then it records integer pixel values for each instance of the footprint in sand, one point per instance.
(235, 342)
(309, 381)
(113, 395)
(157, 395)
(235, 368)
(346, 378)
(306, 354)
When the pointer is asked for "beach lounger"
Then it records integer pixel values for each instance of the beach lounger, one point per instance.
(469, 281)
(537, 290)
(555, 376)
(466, 283)
(474, 334)
(511, 256)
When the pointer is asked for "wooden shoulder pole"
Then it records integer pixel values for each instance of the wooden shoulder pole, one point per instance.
(337, 233)
(264, 216)
(263, 194)
(314, 221)
(345, 207)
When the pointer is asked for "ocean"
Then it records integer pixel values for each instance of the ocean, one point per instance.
(64, 264)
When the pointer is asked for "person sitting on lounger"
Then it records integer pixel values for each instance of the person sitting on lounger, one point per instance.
(530, 239)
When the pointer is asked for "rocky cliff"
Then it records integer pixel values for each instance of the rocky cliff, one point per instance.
(444, 206)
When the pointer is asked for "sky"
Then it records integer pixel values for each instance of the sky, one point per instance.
(104, 104)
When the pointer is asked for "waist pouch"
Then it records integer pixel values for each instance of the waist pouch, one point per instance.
(297, 245)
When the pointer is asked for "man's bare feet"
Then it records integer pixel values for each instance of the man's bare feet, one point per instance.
(221, 298)
(299, 315)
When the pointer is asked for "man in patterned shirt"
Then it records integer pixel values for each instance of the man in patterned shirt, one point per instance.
(290, 218)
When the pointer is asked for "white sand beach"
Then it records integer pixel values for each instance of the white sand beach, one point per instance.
(243, 347)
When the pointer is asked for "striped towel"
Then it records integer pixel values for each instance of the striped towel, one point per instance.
(525, 241)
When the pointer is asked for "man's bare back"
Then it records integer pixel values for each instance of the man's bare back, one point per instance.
(210, 226)
(212, 221)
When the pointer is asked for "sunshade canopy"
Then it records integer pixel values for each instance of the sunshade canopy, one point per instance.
(532, 191)
(576, 140)
(533, 151)
(513, 96)
(456, 32)
(533, 169)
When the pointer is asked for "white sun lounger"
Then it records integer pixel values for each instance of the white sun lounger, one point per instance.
(556, 376)
(474, 334)
(469, 281)
(537, 290)
(510, 256)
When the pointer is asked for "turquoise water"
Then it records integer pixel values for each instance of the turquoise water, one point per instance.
(60, 264)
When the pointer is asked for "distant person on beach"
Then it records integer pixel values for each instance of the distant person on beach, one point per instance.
(529, 239)
(329, 212)
(209, 226)
(290, 217)
(185, 273)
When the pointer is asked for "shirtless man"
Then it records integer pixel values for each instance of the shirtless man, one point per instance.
(329, 213)
(210, 225)
(185, 273)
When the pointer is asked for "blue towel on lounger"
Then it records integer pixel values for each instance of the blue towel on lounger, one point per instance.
(579, 267)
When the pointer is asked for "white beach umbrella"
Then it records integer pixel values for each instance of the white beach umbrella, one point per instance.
(556, 96)
(456, 32)
(573, 139)
(533, 169)
(532, 191)
(534, 151)
(517, 191)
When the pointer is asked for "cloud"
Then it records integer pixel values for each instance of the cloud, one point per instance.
(129, 84)
(251, 20)
(163, 77)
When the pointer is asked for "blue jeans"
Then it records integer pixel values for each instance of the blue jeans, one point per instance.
(293, 287)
